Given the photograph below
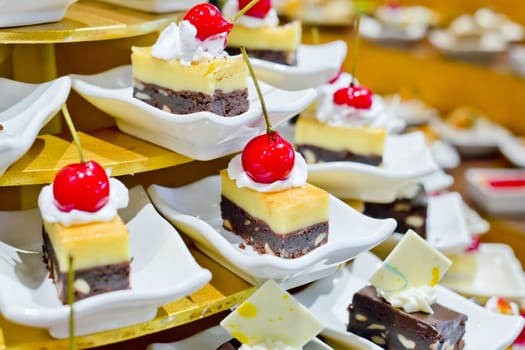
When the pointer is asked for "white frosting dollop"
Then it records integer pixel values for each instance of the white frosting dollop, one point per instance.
(413, 299)
(342, 115)
(296, 178)
(181, 42)
(231, 7)
(118, 198)
(269, 345)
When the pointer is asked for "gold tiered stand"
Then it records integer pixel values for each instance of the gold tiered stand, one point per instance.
(92, 37)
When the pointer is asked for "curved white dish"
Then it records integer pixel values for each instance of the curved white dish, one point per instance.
(496, 272)
(513, 148)
(26, 12)
(444, 42)
(195, 210)
(24, 110)
(156, 6)
(372, 29)
(203, 135)
(162, 270)
(406, 159)
(212, 337)
(316, 65)
(328, 299)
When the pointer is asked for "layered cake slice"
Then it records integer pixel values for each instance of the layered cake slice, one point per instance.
(187, 69)
(258, 31)
(79, 211)
(350, 124)
(399, 309)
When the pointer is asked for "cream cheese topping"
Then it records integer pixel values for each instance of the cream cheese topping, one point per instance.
(118, 198)
(413, 300)
(296, 178)
(181, 42)
(342, 115)
(269, 345)
(231, 7)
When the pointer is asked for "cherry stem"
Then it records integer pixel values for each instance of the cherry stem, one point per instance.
(269, 128)
(244, 10)
(355, 48)
(315, 35)
(73, 131)
(70, 301)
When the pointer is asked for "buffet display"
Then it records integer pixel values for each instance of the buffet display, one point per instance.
(331, 207)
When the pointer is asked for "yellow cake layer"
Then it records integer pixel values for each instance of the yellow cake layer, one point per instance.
(225, 73)
(283, 38)
(359, 140)
(283, 211)
(93, 244)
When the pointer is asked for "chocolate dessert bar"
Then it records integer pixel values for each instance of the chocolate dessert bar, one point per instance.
(391, 328)
(232, 344)
(257, 233)
(283, 57)
(314, 154)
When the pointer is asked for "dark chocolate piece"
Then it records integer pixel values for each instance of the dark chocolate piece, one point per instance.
(374, 318)
(231, 344)
(96, 280)
(258, 234)
(226, 104)
(410, 213)
(288, 58)
(314, 154)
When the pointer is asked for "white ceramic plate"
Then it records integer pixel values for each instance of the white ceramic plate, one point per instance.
(513, 148)
(316, 64)
(213, 337)
(372, 29)
(195, 210)
(203, 135)
(328, 299)
(406, 159)
(483, 139)
(498, 273)
(445, 43)
(156, 6)
(24, 110)
(26, 12)
(162, 270)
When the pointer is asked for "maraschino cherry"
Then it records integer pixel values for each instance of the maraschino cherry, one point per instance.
(259, 10)
(359, 97)
(268, 157)
(81, 186)
(208, 20)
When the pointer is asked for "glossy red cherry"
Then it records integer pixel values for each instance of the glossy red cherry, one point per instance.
(259, 10)
(81, 186)
(208, 20)
(354, 96)
(267, 158)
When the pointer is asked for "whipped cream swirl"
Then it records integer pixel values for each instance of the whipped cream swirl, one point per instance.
(269, 345)
(296, 178)
(118, 198)
(342, 115)
(413, 299)
(181, 42)
(231, 7)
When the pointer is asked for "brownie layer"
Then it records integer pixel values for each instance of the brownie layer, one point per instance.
(257, 233)
(392, 328)
(313, 154)
(410, 213)
(231, 344)
(88, 282)
(226, 104)
(288, 58)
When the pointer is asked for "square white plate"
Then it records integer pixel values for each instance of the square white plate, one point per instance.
(24, 110)
(211, 338)
(195, 210)
(162, 270)
(497, 273)
(513, 148)
(329, 298)
(157, 6)
(313, 67)
(27, 12)
(202, 135)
